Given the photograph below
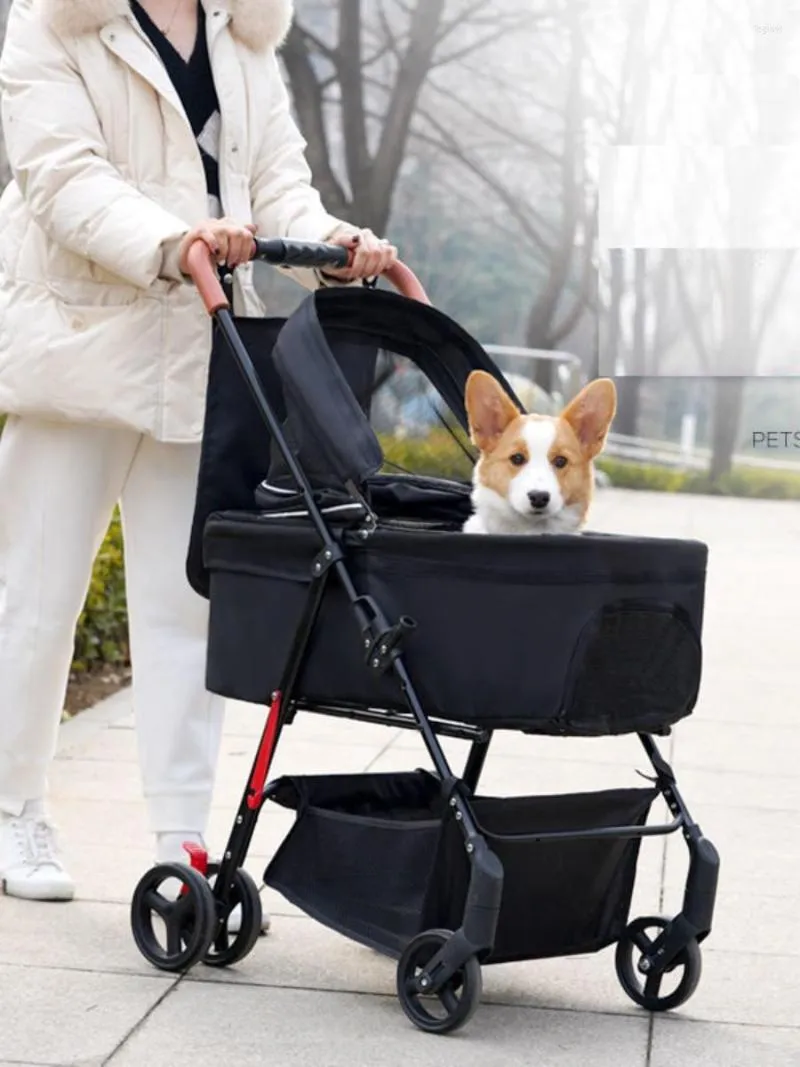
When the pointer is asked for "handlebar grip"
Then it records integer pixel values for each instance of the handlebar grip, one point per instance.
(301, 253)
(204, 274)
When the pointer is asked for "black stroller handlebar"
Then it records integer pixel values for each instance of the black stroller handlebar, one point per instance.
(278, 252)
(282, 253)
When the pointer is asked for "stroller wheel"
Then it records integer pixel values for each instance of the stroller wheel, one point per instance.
(172, 916)
(229, 947)
(449, 1007)
(646, 990)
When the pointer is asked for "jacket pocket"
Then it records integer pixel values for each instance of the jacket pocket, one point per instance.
(76, 293)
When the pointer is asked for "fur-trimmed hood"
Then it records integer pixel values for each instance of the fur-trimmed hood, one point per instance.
(259, 24)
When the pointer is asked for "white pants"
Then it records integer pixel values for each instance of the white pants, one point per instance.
(59, 483)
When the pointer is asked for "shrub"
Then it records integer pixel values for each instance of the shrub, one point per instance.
(439, 455)
(101, 638)
(749, 482)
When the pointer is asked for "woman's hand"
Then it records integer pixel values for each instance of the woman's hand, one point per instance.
(229, 242)
(372, 255)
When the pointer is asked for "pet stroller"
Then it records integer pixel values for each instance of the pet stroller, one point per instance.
(340, 590)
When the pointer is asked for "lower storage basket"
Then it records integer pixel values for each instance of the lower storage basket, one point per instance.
(585, 635)
(378, 858)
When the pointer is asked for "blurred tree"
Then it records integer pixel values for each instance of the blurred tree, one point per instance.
(357, 73)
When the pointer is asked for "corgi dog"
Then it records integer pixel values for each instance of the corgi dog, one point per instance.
(535, 473)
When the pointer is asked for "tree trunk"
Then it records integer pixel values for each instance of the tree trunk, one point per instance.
(726, 417)
(364, 194)
(629, 387)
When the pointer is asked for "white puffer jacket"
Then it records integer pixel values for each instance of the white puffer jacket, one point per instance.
(96, 322)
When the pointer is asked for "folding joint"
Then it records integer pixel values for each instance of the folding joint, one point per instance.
(384, 649)
(330, 555)
(665, 773)
(370, 524)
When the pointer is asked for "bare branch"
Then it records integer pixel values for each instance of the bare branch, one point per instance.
(524, 218)
(414, 67)
(511, 136)
(309, 104)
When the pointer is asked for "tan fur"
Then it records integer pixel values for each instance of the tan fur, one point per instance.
(259, 24)
(497, 471)
(489, 409)
(576, 479)
(590, 415)
(497, 429)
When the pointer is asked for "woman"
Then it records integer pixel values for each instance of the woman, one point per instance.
(129, 128)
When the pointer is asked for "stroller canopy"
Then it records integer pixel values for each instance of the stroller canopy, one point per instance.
(318, 370)
(326, 421)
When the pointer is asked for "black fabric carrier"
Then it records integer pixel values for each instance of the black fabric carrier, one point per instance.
(377, 858)
(582, 635)
(557, 635)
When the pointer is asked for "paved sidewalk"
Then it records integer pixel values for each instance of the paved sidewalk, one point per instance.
(74, 990)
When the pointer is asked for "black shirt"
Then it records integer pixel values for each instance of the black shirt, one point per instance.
(194, 84)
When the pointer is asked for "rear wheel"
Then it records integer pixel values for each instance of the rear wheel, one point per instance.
(651, 990)
(229, 947)
(450, 1006)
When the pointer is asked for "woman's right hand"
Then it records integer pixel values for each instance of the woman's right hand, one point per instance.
(229, 242)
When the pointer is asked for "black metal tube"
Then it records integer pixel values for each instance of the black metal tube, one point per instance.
(598, 832)
(476, 761)
(401, 720)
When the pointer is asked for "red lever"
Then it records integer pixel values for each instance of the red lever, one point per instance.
(198, 857)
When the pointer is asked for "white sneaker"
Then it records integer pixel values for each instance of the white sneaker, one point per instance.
(235, 921)
(30, 865)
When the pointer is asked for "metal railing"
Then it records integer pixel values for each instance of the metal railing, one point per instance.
(670, 454)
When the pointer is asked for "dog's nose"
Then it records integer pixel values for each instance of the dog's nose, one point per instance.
(539, 500)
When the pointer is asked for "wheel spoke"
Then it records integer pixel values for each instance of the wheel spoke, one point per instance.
(449, 999)
(652, 987)
(155, 902)
(184, 907)
(174, 940)
(642, 941)
(223, 940)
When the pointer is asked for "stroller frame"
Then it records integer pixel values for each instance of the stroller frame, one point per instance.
(457, 954)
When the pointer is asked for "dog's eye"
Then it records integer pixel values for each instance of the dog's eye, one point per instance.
(560, 462)
(517, 459)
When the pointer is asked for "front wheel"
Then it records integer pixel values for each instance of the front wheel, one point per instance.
(173, 917)
(449, 1007)
(646, 988)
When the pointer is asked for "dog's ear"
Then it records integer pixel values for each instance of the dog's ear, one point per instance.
(489, 408)
(590, 415)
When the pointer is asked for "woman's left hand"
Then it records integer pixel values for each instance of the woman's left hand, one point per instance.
(372, 255)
